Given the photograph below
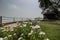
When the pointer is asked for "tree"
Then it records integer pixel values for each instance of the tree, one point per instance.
(51, 8)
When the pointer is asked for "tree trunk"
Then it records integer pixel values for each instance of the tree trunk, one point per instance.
(0, 21)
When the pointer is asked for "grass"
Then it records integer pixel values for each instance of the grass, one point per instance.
(52, 29)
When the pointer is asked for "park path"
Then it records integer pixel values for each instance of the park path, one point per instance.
(11, 26)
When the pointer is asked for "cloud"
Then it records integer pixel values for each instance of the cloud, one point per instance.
(13, 6)
(21, 8)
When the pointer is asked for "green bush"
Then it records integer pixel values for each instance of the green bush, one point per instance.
(23, 32)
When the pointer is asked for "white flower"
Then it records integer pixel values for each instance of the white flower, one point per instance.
(5, 38)
(20, 26)
(9, 35)
(12, 30)
(46, 39)
(3, 30)
(24, 25)
(1, 38)
(42, 33)
(20, 38)
(22, 34)
(14, 34)
(35, 27)
(30, 32)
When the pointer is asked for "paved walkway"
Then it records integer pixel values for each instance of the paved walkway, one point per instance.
(11, 26)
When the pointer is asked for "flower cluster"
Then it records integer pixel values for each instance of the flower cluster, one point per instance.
(25, 31)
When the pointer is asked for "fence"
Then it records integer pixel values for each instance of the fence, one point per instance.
(0, 21)
(5, 20)
(10, 19)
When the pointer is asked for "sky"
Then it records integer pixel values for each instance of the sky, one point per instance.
(20, 8)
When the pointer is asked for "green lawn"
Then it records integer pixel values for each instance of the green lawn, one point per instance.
(52, 29)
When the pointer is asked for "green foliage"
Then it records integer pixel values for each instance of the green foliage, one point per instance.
(54, 4)
(43, 3)
(22, 32)
(52, 29)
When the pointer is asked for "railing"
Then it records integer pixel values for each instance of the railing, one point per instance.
(8, 20)
(0, 21)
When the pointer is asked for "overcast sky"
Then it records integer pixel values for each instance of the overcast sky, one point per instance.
(20, 8)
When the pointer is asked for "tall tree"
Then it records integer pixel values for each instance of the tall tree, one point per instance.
(45, 3)
(51, 4)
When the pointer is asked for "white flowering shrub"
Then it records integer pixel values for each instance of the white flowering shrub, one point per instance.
(24, 31)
